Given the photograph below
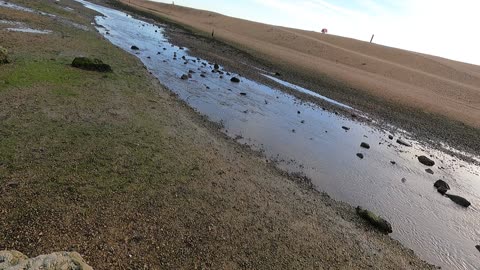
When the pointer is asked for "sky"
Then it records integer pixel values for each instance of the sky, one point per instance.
(445, 28)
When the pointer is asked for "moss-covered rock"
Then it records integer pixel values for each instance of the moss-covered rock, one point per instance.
(91, 64)
(378, 222)
(3, 56)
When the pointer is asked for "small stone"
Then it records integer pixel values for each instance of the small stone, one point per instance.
(365, 145)
(404, 180)
(379, 223)
(243, 94)
(216, 66)
(360, 155)
(184, 77)
(459, 200)
(390, 137)
(426, 161)
(235, 80)
(393, 162)
(430, 171)
(404, 143)
(441, 184)
(477, 247)
(135, 48)
(345, 128)
(278, 74)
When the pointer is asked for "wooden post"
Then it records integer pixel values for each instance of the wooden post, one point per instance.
(372, 38)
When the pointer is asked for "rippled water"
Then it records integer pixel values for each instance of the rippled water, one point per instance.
(302, 137)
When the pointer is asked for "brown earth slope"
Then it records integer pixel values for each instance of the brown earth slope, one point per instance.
(433, 84)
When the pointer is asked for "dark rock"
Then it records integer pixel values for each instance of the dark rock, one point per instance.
(303, 121)
(459, 200)
(441, 184)
(477, 247)
(135, 48)
(404, 143)
(346, 128)
(191, 71)
(426, 161)
(202, 75)
(360, 155)
(235, 80)
(243, 93)
(91, 64)
(429, 171)
(404, 180)
(216, 66)
(184, 77)
(12, 184)
(365, 145)
(379, 223)
(442, 190)
(278, 74)
(390, 137)
(393, 162)
(298, 112)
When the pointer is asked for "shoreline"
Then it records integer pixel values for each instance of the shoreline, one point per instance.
(423, 126)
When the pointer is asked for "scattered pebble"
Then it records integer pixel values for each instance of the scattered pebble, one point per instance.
(365, 145)
(360, 155)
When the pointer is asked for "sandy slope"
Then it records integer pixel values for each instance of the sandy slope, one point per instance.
(434, 84)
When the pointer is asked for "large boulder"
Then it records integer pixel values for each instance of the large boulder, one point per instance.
(379, 223)
(426, 161)
(91, 64)
(3, 56)
(459, 200)
(15, 260)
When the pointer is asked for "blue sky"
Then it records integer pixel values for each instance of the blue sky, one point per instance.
(446, 28)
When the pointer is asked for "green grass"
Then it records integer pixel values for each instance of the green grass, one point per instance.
(25, 73)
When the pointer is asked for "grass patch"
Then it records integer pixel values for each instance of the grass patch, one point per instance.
(26, 73)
